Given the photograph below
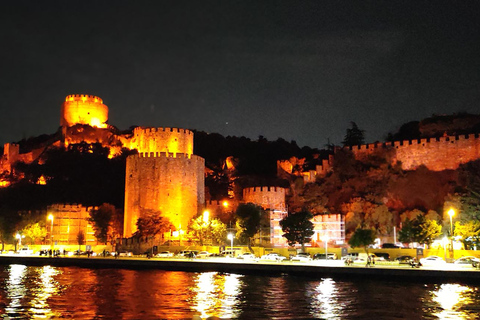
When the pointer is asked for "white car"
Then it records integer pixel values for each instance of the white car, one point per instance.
(247, 256)
(203, 254)
(164, 254)
(25, 251)
(273, 256)
(301, 257)
(468, 260)
(432, 261)
(125, 254)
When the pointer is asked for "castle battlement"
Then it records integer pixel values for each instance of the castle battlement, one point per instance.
(84, 98)
(149, 130)
(264, 189)
(166, 140)
(437, 154)
(163, 155)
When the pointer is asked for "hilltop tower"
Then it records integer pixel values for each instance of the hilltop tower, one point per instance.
(83, 109)
(164, 176)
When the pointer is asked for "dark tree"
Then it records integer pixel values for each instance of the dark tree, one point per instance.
(152, 223)
(249, 218)
(419, 230)
(80, 239)
(101, 219)
(354, 136)
(298, 228)
(362, 238)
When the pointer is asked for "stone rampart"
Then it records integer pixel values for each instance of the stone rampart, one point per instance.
(436, 154)
(268, 197)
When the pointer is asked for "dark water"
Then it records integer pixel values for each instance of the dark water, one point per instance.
(77, 293)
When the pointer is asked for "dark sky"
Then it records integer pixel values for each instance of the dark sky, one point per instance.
(300, 70)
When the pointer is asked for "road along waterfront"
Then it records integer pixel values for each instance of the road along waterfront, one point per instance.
(53, 292)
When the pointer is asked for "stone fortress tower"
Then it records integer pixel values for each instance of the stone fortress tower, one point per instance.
(83, 109)
(164, 176)
(271, 199)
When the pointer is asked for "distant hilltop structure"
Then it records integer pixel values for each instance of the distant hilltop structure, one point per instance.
(83, 109)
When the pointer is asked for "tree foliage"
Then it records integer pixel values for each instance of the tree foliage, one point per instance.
(354, 136)
(151, 224)
(362, 238)
(107, 223)
(298, 228)
(420, 230)
(469, 231)
(249, 217)
(212, 231)
(34, 232)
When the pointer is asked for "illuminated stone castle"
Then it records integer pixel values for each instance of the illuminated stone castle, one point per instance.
(83, 109)
(164, 176)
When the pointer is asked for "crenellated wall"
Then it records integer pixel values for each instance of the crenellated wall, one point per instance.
(268, 197)
(173, 184)
(83, 109)
(436, 154)
(169, 140)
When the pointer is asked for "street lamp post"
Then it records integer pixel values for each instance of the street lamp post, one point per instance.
(230, 237)
(325, 239)
(50, 217)
(451, 213)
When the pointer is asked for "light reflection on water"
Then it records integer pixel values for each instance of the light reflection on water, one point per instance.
(80, 293)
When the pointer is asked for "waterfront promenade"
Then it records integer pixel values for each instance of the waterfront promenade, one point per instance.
(315, 269)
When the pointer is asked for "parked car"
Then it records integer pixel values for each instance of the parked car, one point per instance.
(273, 256)
(229, 253)
(25, 251)
(432, 260)
(389, 246)
(404, 259)
(164, 254)
(301, 257)
(468, 260)
(203, 254)
(321, 256)
(124, 254)
(247, 256)
(382, 256)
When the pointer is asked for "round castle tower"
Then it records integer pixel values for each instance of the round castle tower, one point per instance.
(164, 176)
(83, 109)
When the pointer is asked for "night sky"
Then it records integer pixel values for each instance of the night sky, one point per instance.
(299, 70)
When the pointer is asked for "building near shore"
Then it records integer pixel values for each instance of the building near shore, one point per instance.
(69, 223)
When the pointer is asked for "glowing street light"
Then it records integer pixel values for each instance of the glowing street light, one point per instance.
(206, 216)
(50, 217)
(19, 239)
(451, 213)
(230, 237)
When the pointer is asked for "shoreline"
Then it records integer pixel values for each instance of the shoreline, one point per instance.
(265, 268)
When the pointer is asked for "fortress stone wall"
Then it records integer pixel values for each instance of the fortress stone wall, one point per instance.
(436, 154)
(170, 182)
(83, 109)
(267, 197)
